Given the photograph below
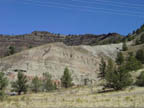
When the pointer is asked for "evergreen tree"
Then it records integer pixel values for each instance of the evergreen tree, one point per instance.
(66, 79)
(140, 55)
(30, 46)
(110, 66)
(102, 68)
(3, 81)
(36, 84)
(20, 85)
(124, 47)
(132, 64)
(11, 50)
(140, 80)
(118, 79)
(120, 58)
(48, 84)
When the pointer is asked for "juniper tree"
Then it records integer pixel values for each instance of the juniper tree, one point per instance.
(120, 58)
(66, 79)
(11, 50)
(132, 64)
(117, 78)
(20, 85)
(140, 55)
(110, 66)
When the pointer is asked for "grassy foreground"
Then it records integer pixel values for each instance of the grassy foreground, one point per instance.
(77, 97)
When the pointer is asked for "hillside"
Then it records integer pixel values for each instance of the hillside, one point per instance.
(83, 61)
(37, 38)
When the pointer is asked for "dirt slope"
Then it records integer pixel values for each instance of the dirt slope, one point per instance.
(83, 61)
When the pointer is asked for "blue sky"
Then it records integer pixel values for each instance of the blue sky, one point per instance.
(71, 16)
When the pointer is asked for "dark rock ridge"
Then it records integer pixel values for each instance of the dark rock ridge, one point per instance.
(37, 38)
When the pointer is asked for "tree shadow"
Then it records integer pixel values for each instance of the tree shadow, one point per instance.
(106, 91)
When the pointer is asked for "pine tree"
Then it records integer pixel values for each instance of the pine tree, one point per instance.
(120, 58)
(140, 55)
(36, 84)
(66, 79)
(132, 64)
(20, 85)
(117, 78)
(102, 68)
(124, 47)
(110, 66)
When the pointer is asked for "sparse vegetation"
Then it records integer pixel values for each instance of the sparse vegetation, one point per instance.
(116, 74)
(48, 85)
(36, 84)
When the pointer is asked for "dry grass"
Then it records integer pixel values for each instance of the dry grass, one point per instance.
(77, 97)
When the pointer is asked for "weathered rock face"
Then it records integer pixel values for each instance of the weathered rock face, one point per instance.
(22, 42)
(83, 61)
